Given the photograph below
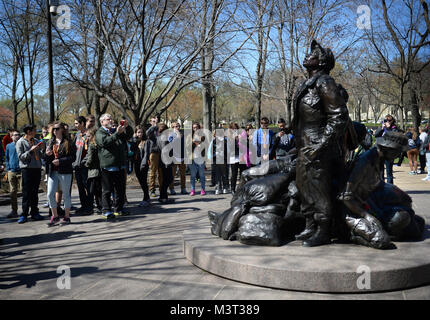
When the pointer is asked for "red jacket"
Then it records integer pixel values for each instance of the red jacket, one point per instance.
(6, 140)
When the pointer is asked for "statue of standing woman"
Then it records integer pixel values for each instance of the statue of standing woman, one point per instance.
(320, 124)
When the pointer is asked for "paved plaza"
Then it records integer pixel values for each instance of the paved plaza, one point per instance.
(140, 256)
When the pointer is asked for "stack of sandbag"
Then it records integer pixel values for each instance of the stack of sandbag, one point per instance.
(265, 202)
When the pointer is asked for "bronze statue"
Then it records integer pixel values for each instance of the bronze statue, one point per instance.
(320, 122)
(318, 192)
(365, 192)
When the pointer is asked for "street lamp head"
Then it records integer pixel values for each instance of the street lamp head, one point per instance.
(53, 4)
(53, 10)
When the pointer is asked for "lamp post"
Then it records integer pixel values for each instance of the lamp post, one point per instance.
(50, 9)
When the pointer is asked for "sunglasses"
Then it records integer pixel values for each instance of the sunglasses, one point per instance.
(57, 128)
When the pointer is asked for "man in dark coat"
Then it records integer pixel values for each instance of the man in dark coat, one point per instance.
(112, 146)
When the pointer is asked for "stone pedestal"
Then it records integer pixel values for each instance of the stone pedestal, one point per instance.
(331, 268)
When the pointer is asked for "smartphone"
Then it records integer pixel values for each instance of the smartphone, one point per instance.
(122, 122)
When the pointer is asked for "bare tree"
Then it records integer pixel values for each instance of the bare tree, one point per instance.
(21, 36)
(403, 30)
(255, 20)
(147, 51)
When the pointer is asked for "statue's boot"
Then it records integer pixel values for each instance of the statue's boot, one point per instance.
(310, 229)
(213, 216)
(213, 219)
(322, 235)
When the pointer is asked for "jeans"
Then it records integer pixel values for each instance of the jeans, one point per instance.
(142, 176)
(81, 174)
(56, 179)
(235, 167)
(95, 186)
(30, 190)
(167, 179)
(423, 162)
(428, 163)
(113, 181)
(389, 169)
(221, 177)
(194, 168)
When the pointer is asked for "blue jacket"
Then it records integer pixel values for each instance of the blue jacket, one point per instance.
(12, 161)
(258, 141)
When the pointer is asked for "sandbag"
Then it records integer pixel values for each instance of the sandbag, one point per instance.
(368, 231)
(260, 229)
(216, 219)
(260, 192)
(230, 223)
(237, 198)
(275, 208)
(283, 165)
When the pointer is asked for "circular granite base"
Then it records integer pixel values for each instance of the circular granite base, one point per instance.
(331, 268)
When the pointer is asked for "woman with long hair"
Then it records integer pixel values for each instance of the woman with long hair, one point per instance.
(238, 155)
(414, 144)
(141, 164)
(389, 124)
(165, 167)
(59, 156)
(94, 177)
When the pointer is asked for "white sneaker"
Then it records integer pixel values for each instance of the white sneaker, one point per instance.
(217, 191)
(426, 179)
(225, 191)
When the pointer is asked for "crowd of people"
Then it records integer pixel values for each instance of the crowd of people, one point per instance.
(100, 159)
(418, 149)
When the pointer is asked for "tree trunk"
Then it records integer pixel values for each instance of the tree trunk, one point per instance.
(14, 88)
(25, 93)
(416, 116)
(207, 105)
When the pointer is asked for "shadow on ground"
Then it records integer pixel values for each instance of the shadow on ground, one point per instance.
(30, 280)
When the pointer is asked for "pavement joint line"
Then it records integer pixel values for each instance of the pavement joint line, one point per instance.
(85, 290)
(404, 295)
(161, 282)
(219, 292)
